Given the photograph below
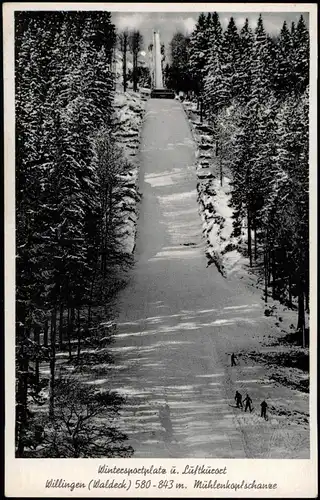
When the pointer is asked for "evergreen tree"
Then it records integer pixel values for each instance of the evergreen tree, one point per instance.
(198, 52)
(245, 62)
(215, 93)
(230, 59)
(33, 73)
(301, 51)
(283, 76)
(262, 160)
(287, 206)
(263, 129)
(64, 92)
(261, 78)
(243, 186)
(216, 89)
(179, 77)
(124, 44)
(214, 31)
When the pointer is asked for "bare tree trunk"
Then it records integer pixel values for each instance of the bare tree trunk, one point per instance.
(135, 72)
(22, 398)
(124, 70)
(52, 362)
(124, 41)
(69, 335)
(89, 316)
(249, 237)
(269, 268)
(90, 302)
(91, 297)
(45, 333)
(103, 256)
(274, 268)
(22, 390)
(37, 364)
(110, 204)
(301, 326)
(290, 289)
(78, 335)
(73, 316)
(201, 110)
(307, 300)
(255, 243)
(61, 328)
(221, 172)
(266, 276)
(301, 318)
(104, 223)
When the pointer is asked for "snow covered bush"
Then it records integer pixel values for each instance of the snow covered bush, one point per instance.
(81, 427)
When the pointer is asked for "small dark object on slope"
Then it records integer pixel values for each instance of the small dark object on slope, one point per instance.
(238, 398)
(248, 401)
(269, 311)
(264, 407)
(233, 360)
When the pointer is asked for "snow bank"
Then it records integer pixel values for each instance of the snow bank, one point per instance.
(216, 215)
(128, 115)
(214, 200)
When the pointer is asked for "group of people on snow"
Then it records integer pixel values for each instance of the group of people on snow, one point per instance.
(247, 401)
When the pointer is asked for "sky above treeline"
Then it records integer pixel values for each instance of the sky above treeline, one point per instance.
(168, 23)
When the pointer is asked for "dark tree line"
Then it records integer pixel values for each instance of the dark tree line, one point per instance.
(254, 91)
(131, 41)
(67, 183)
(177, 74)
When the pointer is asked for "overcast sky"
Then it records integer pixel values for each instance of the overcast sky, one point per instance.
(168, 23)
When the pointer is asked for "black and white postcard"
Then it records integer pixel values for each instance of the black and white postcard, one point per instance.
(160, 249)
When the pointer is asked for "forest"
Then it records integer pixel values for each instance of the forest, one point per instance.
(253, 90)
(69, 257)
(70, 261)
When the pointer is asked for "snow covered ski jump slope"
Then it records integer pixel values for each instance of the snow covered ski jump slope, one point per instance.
(179, 321)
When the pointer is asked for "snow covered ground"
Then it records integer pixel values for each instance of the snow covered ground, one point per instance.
(178, 321)
(214, 199)
(284, 361)
(129, 111)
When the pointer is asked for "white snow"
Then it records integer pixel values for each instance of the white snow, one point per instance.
(129, 111)
(217, 225)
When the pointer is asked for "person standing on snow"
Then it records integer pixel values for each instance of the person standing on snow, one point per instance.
(264, 407)
(238, 398)
(248, 401)
(233, 360)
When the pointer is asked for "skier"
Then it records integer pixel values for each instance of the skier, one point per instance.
(233, 360)
(238, 398)
(264, 407)
(248, 401)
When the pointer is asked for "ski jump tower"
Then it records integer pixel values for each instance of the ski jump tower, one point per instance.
(158, 90)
